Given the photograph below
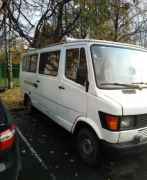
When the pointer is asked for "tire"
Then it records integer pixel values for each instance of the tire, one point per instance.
(20, 176)
(28, 106)
(88, 147)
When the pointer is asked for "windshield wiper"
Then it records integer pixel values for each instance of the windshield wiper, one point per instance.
(123, 84)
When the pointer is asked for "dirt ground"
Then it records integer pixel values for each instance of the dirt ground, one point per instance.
(13, 98)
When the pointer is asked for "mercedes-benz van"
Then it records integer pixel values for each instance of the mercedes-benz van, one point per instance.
(97, 90)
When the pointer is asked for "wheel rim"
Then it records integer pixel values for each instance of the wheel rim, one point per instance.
(87, 146)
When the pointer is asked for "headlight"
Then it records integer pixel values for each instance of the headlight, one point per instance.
(127, 122)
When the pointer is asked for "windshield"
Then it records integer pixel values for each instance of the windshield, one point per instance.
(118, 65)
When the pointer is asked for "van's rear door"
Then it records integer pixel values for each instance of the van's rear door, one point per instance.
(28, 76)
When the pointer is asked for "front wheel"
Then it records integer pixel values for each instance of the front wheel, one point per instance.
(88, 147)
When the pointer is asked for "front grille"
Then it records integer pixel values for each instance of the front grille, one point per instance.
(141, 121)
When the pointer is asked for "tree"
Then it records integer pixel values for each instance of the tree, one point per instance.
(111, 19)
(54, 25)
(41, 22)
(52, 18)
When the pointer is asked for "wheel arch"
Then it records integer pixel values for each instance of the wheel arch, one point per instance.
(87, 123)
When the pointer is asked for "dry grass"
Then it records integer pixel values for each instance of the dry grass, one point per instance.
(13, 98)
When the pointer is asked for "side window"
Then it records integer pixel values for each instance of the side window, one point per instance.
(72, 60)
(49, 63)
(24, 63)
(76, 67)
(29, 63)
(33, 63)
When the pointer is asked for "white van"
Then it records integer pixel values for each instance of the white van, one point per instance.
(97, 90)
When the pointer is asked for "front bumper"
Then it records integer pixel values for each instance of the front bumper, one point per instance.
(113, 151)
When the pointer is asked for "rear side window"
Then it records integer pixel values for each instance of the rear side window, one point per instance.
(29, 63)
(24, 60)
(76, 66)
(33, 63)
(49, 63)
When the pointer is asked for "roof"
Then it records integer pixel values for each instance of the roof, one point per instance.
(103, 42)
(71, 41)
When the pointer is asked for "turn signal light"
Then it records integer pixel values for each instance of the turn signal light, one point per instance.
(112, 122)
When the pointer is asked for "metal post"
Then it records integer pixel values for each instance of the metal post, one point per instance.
(8, 50)
(10, 75)
(6, 47)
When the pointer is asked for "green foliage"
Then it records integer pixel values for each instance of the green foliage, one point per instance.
(117, 20)
(99, 19)
(104, 19)
(2, 57)
(16, 54)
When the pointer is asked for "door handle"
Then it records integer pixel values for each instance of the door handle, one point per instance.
(37, 81)
(61, 87)
(35, 85)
